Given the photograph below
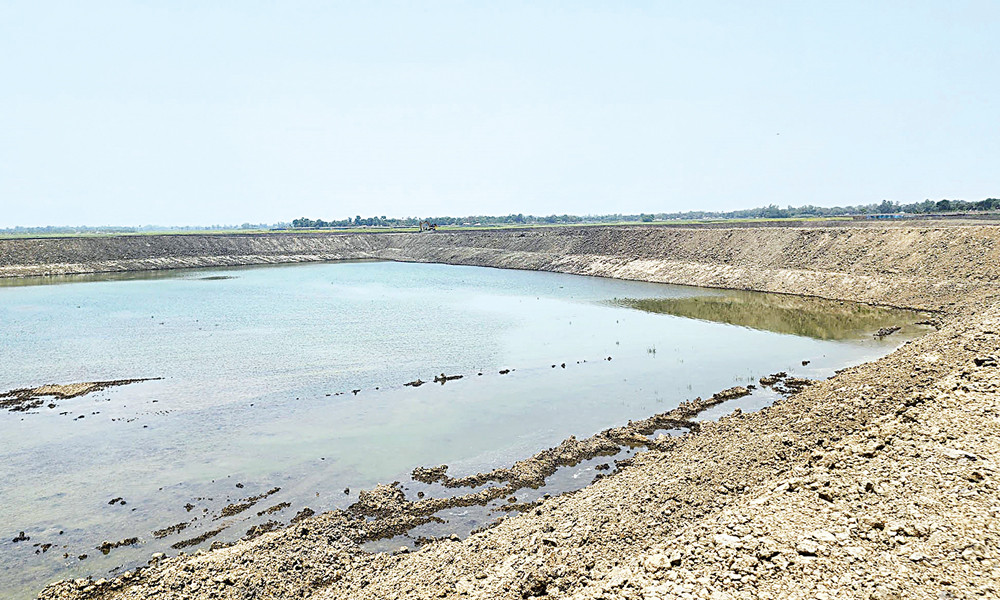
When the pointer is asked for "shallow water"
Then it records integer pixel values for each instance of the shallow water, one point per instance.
(259, 365)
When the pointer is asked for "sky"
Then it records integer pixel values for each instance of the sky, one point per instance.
(198, 113)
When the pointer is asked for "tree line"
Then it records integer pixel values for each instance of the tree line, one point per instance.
(518, 219)
(926, 207)
(765, 212)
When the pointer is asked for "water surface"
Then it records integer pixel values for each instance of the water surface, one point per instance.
(292, 376)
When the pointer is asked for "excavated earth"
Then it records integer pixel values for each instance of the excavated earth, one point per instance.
(881, 482)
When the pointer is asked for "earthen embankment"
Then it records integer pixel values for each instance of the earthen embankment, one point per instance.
(113, 254)
(900, 266)
(915, 266)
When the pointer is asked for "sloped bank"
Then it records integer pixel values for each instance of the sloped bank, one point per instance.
(880, 482)
(925, 267)
(898, 265)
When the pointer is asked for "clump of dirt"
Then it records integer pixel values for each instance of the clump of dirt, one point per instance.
(176, 528)
(259, 530)
(430, 474)
(784, 383)
(199, 539)
(443, 379)
(25, 399)
(107, 547)
(273, 509)
(237, 507)
(303, 514)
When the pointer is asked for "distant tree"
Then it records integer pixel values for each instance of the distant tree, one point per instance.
(887, 207)
(773, 212)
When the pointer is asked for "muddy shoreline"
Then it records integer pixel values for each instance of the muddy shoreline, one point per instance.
(877, 483)
(386, 512)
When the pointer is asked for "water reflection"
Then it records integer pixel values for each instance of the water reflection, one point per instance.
(781, 313)
(194, 273)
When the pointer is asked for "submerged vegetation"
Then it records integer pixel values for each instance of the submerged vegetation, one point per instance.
(810, 317)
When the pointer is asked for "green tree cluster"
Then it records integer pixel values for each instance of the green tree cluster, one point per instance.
(771, 211)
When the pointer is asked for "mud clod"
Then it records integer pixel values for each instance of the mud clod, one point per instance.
(107, 547)
(176, 528)
(25, 399)
(273, 509)
(442, 378)
(430, 474)
(886, 331)
(259, 530)
(237, 507)
(197, 540)
(303, 514)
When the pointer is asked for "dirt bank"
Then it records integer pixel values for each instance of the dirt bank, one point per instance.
(927, 267)
(913, 266)
(878, 483)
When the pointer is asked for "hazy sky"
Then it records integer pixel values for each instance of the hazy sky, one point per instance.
(211, 112)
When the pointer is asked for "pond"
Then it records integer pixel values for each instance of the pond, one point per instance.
(292, 377)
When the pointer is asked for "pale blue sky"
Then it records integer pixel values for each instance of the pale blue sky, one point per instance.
(170, 113)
